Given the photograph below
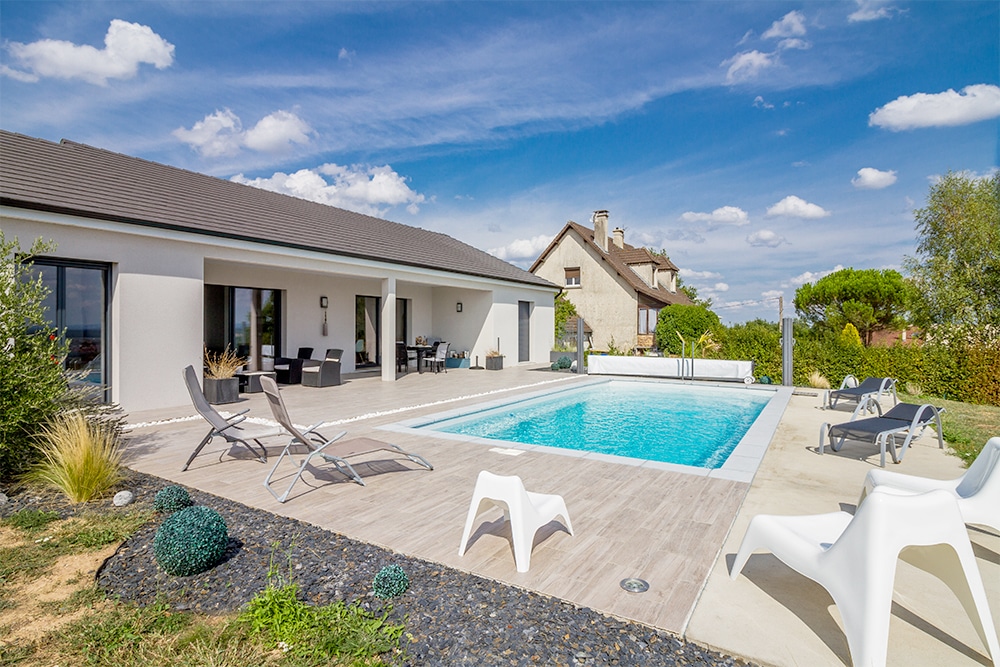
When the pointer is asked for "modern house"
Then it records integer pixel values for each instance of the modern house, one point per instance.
(616, 288)
(155, 264)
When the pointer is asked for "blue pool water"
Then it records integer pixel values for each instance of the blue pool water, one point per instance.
(683, 424)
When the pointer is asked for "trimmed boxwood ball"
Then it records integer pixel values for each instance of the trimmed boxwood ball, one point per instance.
(172, 498)
(390, 582)
(191, 541)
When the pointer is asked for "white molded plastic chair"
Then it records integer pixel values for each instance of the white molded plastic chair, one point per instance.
(854, 558)
(977, 491)
(526, 511)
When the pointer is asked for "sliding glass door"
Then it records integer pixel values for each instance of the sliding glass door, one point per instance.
(368, 328)
(246, 320)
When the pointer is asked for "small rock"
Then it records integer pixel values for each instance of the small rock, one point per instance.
(123, 498)
(3, 498)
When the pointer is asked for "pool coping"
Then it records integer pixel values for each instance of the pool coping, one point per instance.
(740, 466)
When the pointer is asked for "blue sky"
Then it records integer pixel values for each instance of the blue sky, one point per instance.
(761, 144)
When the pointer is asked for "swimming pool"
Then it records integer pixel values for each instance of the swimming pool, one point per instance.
(718, 430)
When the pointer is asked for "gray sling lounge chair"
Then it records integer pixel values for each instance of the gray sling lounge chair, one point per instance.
(318, 445)
(852, 391)
(222, 427)
(904, 419)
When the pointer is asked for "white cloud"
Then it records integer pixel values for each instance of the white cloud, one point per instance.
(870, 178)
(871, 10)
(221, 133)
(689, 235)
(907, 112)
(792, 24)
(772, 294)
(126, 46)
(726, 215)
(794, 207)
(811, 277)
(760, 103)
(368, 190)
(691, 274)
(747, 65)
(17, 75)
(720, 287)
(765, 238)
(799, 44)
(274, 132)
(522, 249)
(344, 54)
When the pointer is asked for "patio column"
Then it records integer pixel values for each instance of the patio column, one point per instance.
(388, 341)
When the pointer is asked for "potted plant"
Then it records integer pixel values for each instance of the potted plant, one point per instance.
(221, 383)
(494, 360)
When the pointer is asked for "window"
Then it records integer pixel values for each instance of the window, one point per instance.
(647, 319)
(254, 317)
(573, 277)
(77, 305)
(245, 319)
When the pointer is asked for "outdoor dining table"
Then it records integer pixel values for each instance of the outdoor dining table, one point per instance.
(421, 350)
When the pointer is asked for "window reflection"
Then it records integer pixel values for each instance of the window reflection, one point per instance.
(76, 306)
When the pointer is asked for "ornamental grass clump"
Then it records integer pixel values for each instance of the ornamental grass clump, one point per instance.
(81, 457)
(191, 541)
(223, 364)
(171, 499)
(390, 582)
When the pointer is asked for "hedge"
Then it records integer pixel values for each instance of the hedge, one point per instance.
(966, 372)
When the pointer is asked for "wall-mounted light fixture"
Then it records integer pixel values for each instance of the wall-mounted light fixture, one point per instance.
(323, 303)
(458, 307)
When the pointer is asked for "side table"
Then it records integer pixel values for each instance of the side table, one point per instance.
(250, 380)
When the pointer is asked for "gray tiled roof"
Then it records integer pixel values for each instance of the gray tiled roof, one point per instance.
(619, 259)
(90, 182)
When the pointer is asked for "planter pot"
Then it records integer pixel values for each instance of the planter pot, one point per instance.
(494, 363)
(225, 390)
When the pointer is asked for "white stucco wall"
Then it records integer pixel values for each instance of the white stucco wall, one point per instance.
(156, 304)
(157, 300)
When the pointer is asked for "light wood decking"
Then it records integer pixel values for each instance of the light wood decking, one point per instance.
(664, 527)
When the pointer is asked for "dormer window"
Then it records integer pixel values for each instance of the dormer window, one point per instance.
(573, 277)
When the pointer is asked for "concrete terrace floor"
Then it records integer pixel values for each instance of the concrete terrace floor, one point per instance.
(677, 531)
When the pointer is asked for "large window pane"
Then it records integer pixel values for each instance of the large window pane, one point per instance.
(84, 316)
(77, 307)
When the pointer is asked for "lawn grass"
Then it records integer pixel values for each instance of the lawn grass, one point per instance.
(966, 426)
(274, 629)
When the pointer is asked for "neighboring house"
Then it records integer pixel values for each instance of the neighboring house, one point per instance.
(616, 288)
(155, 263)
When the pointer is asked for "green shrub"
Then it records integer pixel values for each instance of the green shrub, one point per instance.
(190, 541)
(81, 457)
(32, 381)
(390, 582)
(171, 499)
(757, 341)
(562, 363)
(689, 321)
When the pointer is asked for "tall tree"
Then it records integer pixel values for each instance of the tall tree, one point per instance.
(956, 273)
(870, 299)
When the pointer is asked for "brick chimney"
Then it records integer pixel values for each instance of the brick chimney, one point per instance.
(601, 229)
(619, 237)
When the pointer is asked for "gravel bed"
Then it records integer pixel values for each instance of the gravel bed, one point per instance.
(451, 617)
